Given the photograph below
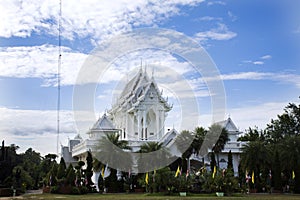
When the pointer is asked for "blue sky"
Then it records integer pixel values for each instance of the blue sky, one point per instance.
(254, 44)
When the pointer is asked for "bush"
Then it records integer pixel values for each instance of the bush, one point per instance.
(83, 190)
(54, 190)
(75, 190)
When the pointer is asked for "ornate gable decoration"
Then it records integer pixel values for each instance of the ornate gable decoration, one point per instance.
(136, 90)
(103, 123)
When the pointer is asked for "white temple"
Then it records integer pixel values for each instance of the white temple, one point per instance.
(138, 115)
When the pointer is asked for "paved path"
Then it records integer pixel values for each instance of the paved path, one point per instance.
(20, 197)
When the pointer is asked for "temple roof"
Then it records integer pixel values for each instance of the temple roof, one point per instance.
(104, 123)
(228, 125)
(136, 89)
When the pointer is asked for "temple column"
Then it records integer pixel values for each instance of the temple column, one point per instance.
(144, 124)
(139, 127)
(157, 124)
(161, 121)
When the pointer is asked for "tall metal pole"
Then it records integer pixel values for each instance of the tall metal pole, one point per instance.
(58, 77)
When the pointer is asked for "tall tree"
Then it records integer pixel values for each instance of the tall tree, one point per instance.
(252, 134)
(199, 138)
(220, 135)
(255, 158)
(150, 153)
(61, 172)
(71, 176)
(111, 151)
(284, 134)
(89, 170)
(184, 145)
(230, 162)
(213, 162)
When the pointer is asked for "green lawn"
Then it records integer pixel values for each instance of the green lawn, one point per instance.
(154, 197)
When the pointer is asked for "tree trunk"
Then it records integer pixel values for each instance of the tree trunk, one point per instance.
(218, 162)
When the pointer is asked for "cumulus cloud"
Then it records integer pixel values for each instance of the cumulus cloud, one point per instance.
(37, 129)
(84, 18)
(220, 33)
(28, 122)
(40, 62)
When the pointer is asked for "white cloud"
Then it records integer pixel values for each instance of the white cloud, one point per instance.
(266, 57)
(279, 77)
(40, 62)
(256, 115)
(35, 128)
(220, 33)
(258, 62)
(209, 18)
(84, 18)
(27, 122)
(38, 128)
(245, 116)
(211, 3)
(232, 16)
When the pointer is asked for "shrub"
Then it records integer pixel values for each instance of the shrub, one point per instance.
(83, 190)
(54, 190)
(75, 190)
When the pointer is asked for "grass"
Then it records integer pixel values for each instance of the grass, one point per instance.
(152, 197)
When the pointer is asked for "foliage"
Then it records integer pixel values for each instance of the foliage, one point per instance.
(112, 145)
(89, 171)
(61, 172)
(253, 134)
(212, 161)
(71, 176)
(274, 152)
(149, 153)
(230, 162)
(223, 181)
(219, 134)
(164, 180)
(183, 143)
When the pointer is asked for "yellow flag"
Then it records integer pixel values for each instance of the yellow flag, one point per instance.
(214, 172)
(147, 178)
(293, 175)
(102, 172)
(252, 178)
(177, 172)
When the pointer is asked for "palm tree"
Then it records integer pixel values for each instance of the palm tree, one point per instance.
(290, 158)
(219, 134)
(152, 156)
(255, 158)
(111, 151)
(150, 146)
(184, 145)
(198, 144)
